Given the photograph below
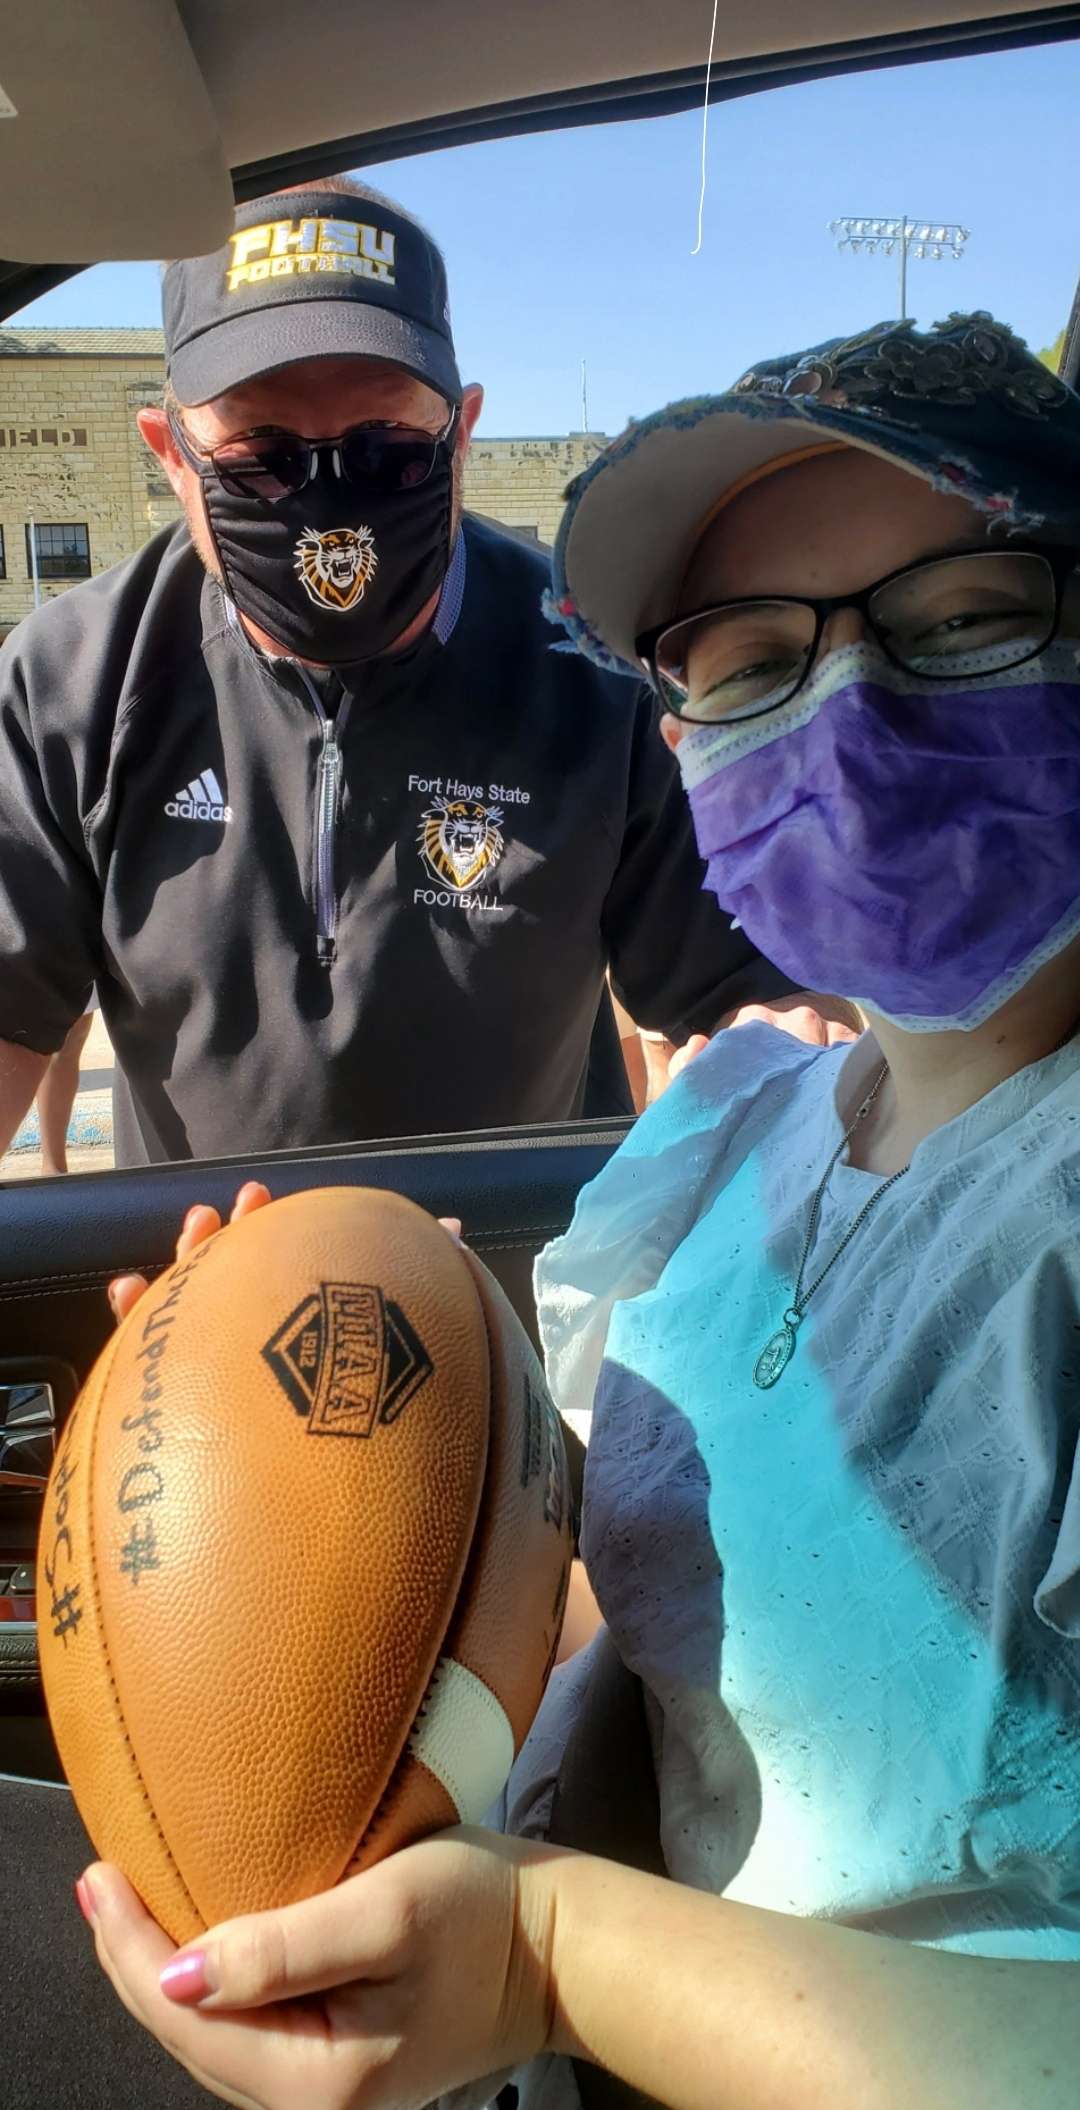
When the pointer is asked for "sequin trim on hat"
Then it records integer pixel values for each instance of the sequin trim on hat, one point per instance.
(958, 361)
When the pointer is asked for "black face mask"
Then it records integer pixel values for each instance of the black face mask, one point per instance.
(334, 574)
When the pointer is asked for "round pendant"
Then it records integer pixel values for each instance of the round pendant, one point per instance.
(775, 1357)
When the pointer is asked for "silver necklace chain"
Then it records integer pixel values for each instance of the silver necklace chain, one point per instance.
(779, 1349)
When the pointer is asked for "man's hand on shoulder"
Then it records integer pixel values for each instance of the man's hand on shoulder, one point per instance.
(821, 1021)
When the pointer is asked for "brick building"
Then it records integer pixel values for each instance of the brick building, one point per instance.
(79, 491)
(521, 482)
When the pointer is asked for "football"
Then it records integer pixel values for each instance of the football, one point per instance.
(304, 1558)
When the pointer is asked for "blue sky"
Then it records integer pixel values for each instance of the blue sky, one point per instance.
(577, 244)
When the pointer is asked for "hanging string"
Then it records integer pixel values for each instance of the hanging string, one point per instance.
(696, 250)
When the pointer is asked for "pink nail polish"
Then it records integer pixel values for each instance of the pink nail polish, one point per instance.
(85, 1900)
(185, 1978)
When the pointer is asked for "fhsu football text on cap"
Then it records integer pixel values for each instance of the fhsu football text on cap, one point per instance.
(296, 248)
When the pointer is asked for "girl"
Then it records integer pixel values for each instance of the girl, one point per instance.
(824, 1307)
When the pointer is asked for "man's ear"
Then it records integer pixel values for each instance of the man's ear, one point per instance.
(472, 403)
(154, 427)
(672, 730)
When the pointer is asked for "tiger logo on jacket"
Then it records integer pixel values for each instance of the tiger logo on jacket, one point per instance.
(335, 567)
(460, 841)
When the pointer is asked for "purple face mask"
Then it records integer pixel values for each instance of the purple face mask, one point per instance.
(911, 847)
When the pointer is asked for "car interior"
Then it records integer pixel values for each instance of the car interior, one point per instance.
(139, 122)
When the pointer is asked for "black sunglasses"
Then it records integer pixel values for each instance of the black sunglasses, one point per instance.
(270, 464)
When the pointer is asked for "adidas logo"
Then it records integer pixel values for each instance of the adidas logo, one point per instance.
(203, 800)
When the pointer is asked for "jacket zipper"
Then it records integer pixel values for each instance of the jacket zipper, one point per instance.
(328, 776)
(327, 801)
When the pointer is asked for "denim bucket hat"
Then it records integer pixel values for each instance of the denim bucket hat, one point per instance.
(963, 405)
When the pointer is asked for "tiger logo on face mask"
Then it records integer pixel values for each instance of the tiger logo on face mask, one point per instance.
(336, 567)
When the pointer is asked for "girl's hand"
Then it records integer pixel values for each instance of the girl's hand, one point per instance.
(430, 1970)
(199, 1224)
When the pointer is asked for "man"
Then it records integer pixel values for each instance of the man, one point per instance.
(306, 786)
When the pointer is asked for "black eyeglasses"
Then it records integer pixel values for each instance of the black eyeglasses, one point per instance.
(271, 464)
(947, 619)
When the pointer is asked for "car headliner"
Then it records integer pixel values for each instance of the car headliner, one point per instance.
(138, 121)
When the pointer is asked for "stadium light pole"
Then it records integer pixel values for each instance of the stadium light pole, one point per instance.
(932, 239)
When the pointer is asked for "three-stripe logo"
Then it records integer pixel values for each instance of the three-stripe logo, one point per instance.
(201, 800)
